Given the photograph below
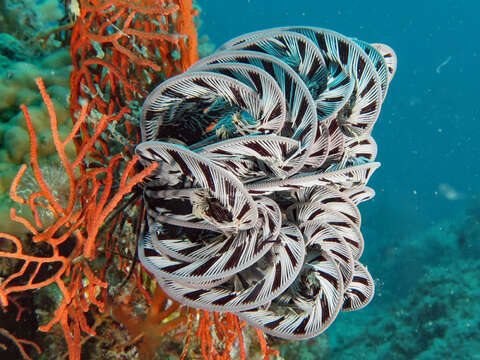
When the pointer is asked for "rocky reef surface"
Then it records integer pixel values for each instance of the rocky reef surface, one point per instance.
(430, 304)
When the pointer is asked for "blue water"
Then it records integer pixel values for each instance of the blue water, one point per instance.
(428, 143)
(426, 132)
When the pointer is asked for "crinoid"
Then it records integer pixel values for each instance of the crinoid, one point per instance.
(264, 152)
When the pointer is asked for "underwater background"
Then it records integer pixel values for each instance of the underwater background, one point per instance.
(422, 229)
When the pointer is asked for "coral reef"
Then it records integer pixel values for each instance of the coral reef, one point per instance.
(435, 321)
(17, 86)
(468, 233)
(28, 21)
(429, 286)
(451, 238)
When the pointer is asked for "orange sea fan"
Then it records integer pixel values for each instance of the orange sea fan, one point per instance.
(72, 237)
(120, 49)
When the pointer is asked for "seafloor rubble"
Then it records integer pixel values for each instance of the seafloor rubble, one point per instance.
(436, 321)
(430, 303)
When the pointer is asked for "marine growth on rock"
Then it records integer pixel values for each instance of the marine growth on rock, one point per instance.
(264, 151)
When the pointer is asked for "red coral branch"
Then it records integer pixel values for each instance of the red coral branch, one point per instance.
(185, 25)
(94, 190)
(19, 343)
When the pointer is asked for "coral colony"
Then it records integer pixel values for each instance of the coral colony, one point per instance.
(264, 150)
